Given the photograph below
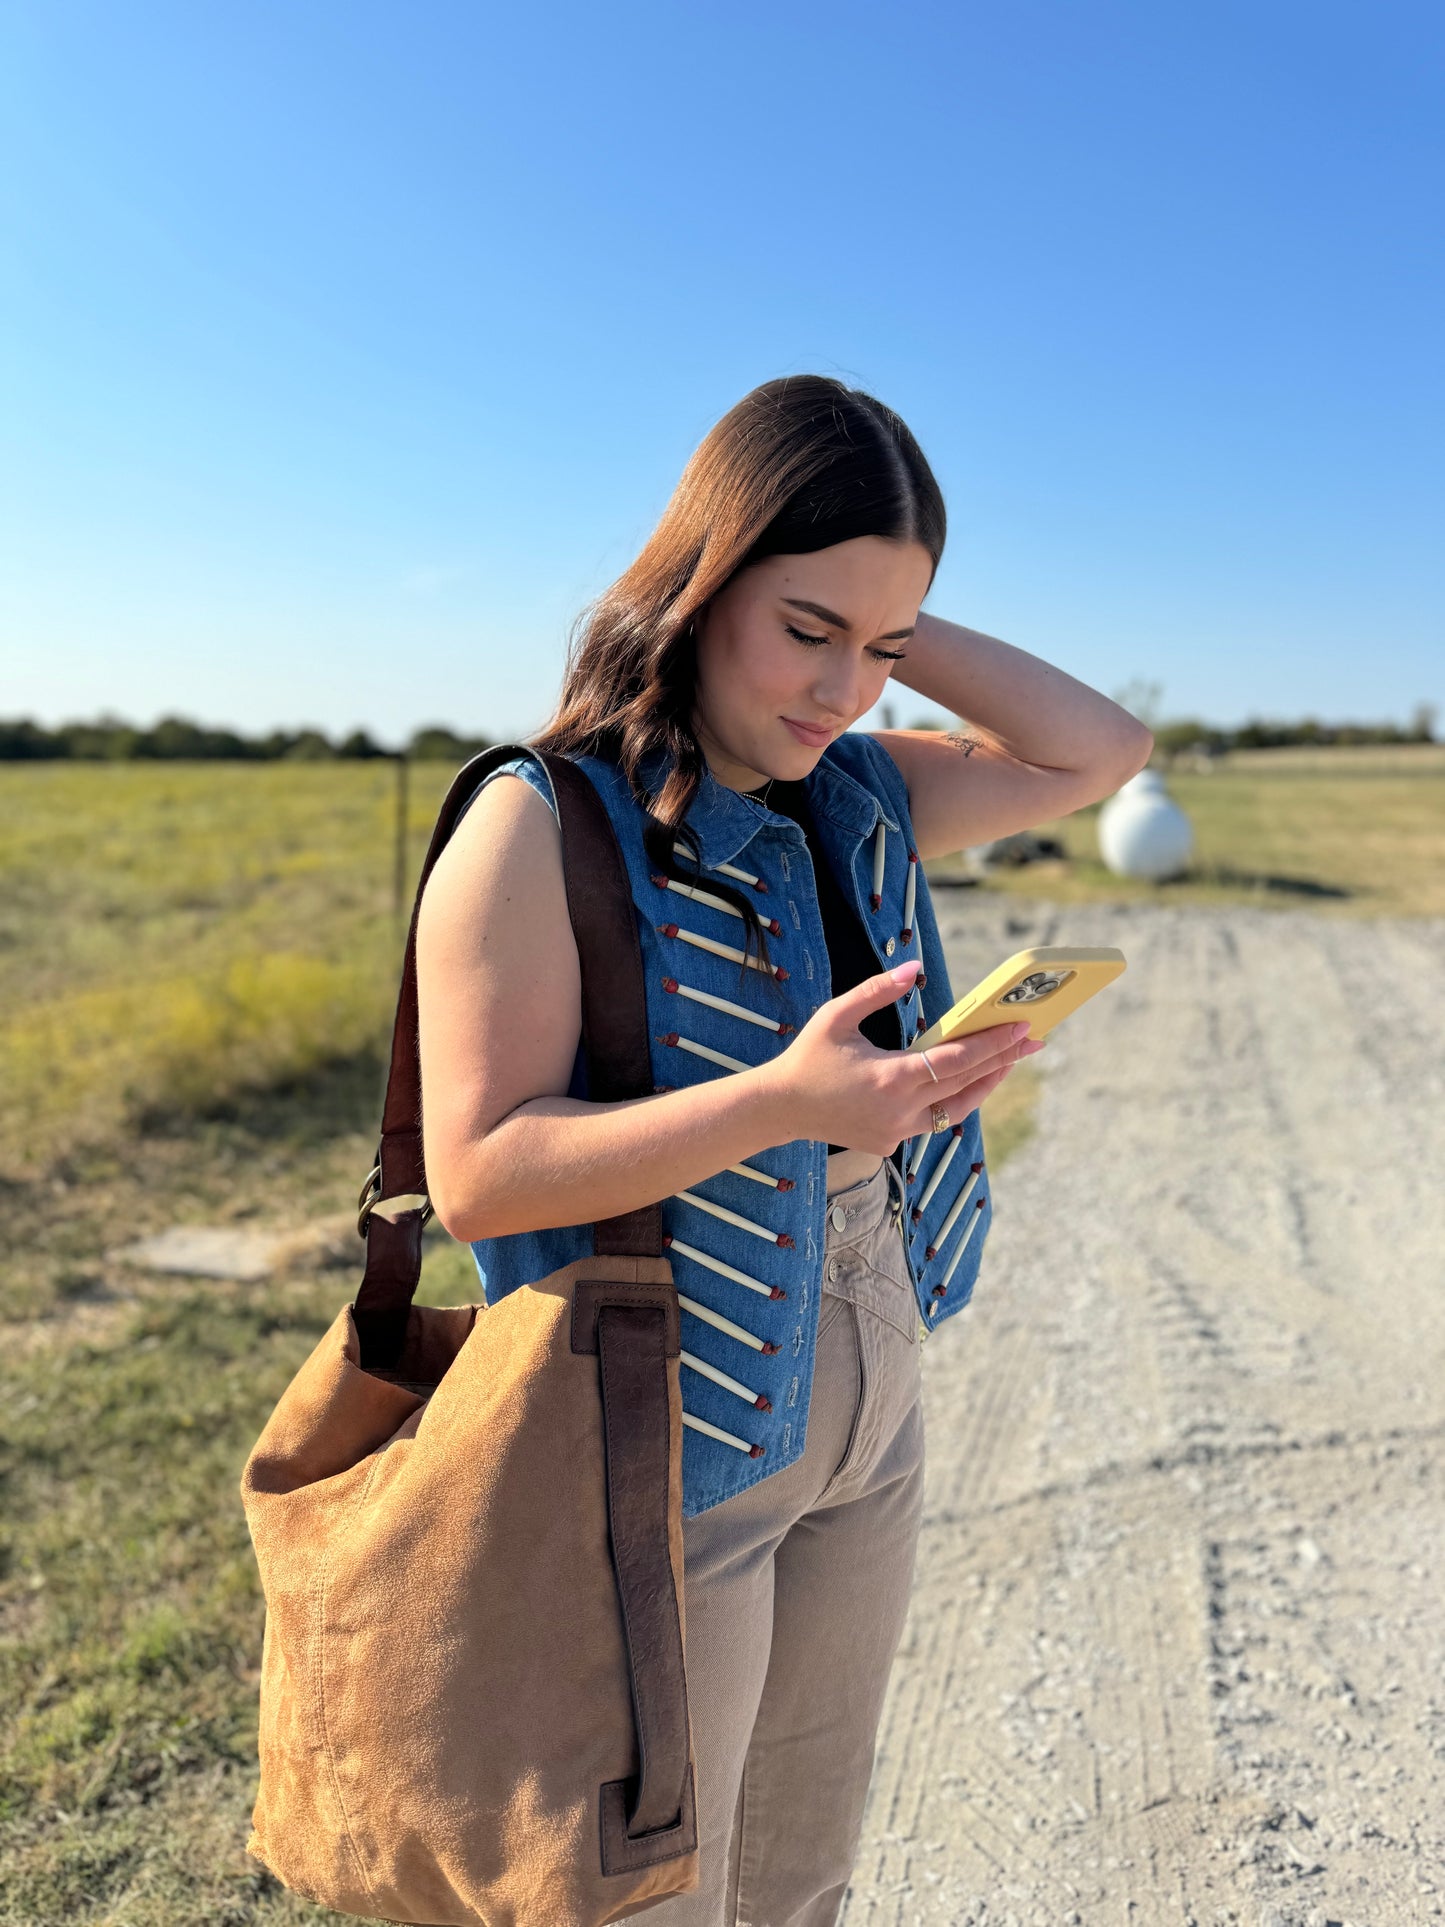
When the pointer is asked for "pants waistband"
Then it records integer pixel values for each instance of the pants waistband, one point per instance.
(854, 1214)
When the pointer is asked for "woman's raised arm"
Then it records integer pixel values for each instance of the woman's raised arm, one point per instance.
(1040, 743)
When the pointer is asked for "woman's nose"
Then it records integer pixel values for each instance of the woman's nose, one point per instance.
(837, 698)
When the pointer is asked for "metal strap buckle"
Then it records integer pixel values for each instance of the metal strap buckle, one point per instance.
(370, 1199)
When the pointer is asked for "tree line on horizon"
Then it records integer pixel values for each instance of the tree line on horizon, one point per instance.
(176, 738)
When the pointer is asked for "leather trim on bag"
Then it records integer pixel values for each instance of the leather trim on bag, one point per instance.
(637, 1426)
(589, 1295)
(620, 1853)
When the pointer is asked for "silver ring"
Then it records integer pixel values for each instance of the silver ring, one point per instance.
(931, 1071)
(940, 1117)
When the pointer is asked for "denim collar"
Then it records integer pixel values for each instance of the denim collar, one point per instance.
(724, 821)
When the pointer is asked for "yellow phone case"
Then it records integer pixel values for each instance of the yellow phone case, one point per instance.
(1043, 984)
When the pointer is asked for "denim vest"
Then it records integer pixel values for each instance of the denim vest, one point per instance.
(747, 1244)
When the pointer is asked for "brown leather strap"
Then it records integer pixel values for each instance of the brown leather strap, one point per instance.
(614, 1036)
(632, 1341)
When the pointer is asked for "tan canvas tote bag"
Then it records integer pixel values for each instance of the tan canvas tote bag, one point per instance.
(468, 1524)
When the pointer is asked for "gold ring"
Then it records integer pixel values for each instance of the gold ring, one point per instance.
(940, 1117)
(931, 1071)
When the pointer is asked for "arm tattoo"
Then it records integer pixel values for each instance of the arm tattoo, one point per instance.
(966, 744)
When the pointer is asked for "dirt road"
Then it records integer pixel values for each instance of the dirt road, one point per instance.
(1176, 1652)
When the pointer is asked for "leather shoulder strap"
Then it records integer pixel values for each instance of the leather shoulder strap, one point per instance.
(614, 1034)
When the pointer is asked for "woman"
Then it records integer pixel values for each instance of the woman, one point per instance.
(824, 1194)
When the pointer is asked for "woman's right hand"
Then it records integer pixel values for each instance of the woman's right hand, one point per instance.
(833, 1084)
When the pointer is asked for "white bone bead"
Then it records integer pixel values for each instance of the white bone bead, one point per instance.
(728, 950)
(716, 1432)
(716, 1319)
(723, 1270)
(721, 1003)
(943, 1163)
(720, 1378)
(760, 1177)
(728, 1217)
(731, 870)
(940, 1236)
(963, 1244)
(702, 1050)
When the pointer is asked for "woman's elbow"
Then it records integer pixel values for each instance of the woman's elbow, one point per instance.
(1127, 756)
(1139, 749)
(460, 1222)
(456, 1198)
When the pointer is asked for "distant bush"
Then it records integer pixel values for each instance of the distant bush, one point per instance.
(176, 739)
(1191, 734)
(440, 745)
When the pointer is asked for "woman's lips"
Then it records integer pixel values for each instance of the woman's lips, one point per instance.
(814, 738)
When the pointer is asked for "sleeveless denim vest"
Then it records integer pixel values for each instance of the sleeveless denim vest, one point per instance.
(747, 1244)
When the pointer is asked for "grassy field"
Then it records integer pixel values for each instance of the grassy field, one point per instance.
(197, 966)
(1360, 832)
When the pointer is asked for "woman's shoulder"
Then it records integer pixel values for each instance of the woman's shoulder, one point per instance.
(530, 768)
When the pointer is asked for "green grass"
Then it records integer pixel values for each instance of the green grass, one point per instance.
(174, 935)
(1361, 835)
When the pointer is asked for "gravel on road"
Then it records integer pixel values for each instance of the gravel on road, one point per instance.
(1176, 1650)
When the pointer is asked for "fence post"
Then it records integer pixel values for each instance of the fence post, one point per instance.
(399, 873)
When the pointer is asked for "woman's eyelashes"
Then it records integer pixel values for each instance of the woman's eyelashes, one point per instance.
(883, 655)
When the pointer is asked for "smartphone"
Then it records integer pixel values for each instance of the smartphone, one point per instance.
(1043, 984)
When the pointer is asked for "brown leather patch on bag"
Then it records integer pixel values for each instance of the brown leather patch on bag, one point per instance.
(589, 1295)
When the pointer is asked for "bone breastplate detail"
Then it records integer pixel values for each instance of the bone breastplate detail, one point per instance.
(747, 1243)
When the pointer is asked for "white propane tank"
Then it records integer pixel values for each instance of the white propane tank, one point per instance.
(1143, 832)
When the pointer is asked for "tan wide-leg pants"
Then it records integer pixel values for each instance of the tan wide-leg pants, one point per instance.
(797, 1591)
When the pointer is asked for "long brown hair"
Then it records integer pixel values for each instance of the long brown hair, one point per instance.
(799, 464)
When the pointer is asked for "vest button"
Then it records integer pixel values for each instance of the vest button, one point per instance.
(889, 947)
(832, 1269)
(839, 1217)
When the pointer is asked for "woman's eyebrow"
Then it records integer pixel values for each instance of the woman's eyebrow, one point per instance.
(842, 622)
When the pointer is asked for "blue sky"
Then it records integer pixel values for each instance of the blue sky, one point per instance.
(347, 350)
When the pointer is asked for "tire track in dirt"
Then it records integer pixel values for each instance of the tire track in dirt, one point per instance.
(1175, 1651)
